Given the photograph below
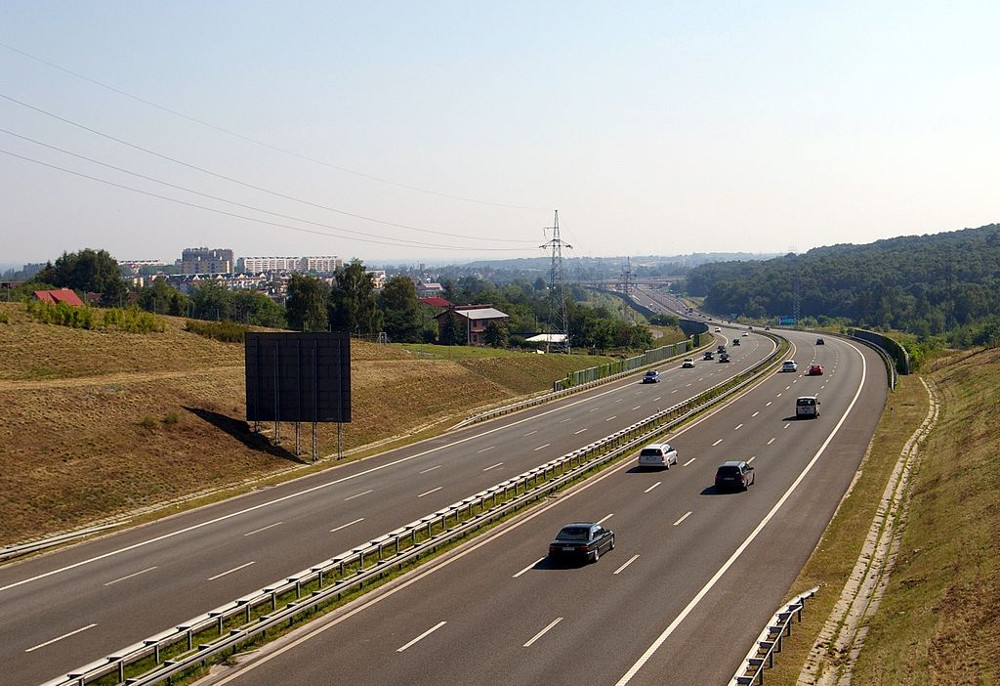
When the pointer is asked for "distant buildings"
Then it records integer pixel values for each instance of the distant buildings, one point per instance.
(207, 261)
(326, 264)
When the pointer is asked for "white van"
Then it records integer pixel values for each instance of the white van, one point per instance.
(807, 406)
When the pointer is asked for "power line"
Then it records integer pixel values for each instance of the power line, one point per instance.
(397, 243)
(263, 144)
(195, 192)
(233, 180)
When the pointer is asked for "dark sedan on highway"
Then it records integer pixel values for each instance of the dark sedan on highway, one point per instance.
(734, 475)
(581, 541)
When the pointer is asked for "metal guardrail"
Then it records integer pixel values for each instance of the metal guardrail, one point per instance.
(769, 641)
(12, 551)
(890, 364)
(629, 364)
(556, 394)
(252, 616)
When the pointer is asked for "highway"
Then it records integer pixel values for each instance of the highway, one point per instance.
(73, 606)
(694, 577)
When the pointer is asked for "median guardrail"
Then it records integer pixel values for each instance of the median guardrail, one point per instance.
(769, 641)
(557, 393)
(225, 629)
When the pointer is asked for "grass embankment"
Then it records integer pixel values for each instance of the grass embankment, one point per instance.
(936, 623)
(102, 423)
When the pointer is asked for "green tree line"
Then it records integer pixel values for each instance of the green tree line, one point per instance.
(946, 283)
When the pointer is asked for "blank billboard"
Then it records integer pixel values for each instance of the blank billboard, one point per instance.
(298, 377)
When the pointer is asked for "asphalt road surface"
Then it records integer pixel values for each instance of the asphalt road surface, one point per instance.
(73, 606)
(693, 579)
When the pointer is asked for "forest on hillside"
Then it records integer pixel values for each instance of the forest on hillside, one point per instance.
(947, 283)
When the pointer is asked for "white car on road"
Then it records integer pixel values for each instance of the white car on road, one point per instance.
(658, 455)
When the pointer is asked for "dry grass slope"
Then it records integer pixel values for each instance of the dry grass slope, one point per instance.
(98, 424)
(936, 623)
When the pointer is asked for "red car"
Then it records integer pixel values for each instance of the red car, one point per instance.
(815, 370)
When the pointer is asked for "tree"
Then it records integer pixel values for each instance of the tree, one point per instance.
(211, 300)
(452, 330)
(401, 310)
(93, 271)
(306, 305)
(161, 298)
(352, 304)
(495, 334)
(256, 309)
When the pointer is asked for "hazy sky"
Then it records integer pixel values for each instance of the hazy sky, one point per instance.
(653, 127)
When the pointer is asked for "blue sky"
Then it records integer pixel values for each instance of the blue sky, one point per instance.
(654, 127)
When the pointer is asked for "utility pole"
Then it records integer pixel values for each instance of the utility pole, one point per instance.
(557, 301)
(626, 287)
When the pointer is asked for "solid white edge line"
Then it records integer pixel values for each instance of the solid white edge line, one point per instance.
(419, 576)
(344, 526)
(433, 490)
(542, 632)
(652, 487)
(627, 563)
(306, 491)
(59, 638)
(528, 568)
(682, 518)
(263, 528)
(605, 517)
(129, 576)
(422, 636)
(234, 569)
(633, 670)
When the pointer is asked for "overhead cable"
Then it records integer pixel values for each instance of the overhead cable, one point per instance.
(396, 243)
(264, 144)
(237, 181)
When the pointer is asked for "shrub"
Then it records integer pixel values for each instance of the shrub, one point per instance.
(225, 331)
(171, 418)
(4, 318)
(132, 320)
(148, 422)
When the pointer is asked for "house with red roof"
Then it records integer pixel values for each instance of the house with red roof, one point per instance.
(59, 295)
(436, 301)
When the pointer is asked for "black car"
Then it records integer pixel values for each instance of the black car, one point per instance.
(734, 475)
(709, 355)
(582, 541)
(724, 357)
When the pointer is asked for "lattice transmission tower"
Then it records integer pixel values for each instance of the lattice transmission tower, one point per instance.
(626, 286)
(557, 300)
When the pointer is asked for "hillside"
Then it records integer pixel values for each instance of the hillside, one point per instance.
(102, 423)
(921, 284)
